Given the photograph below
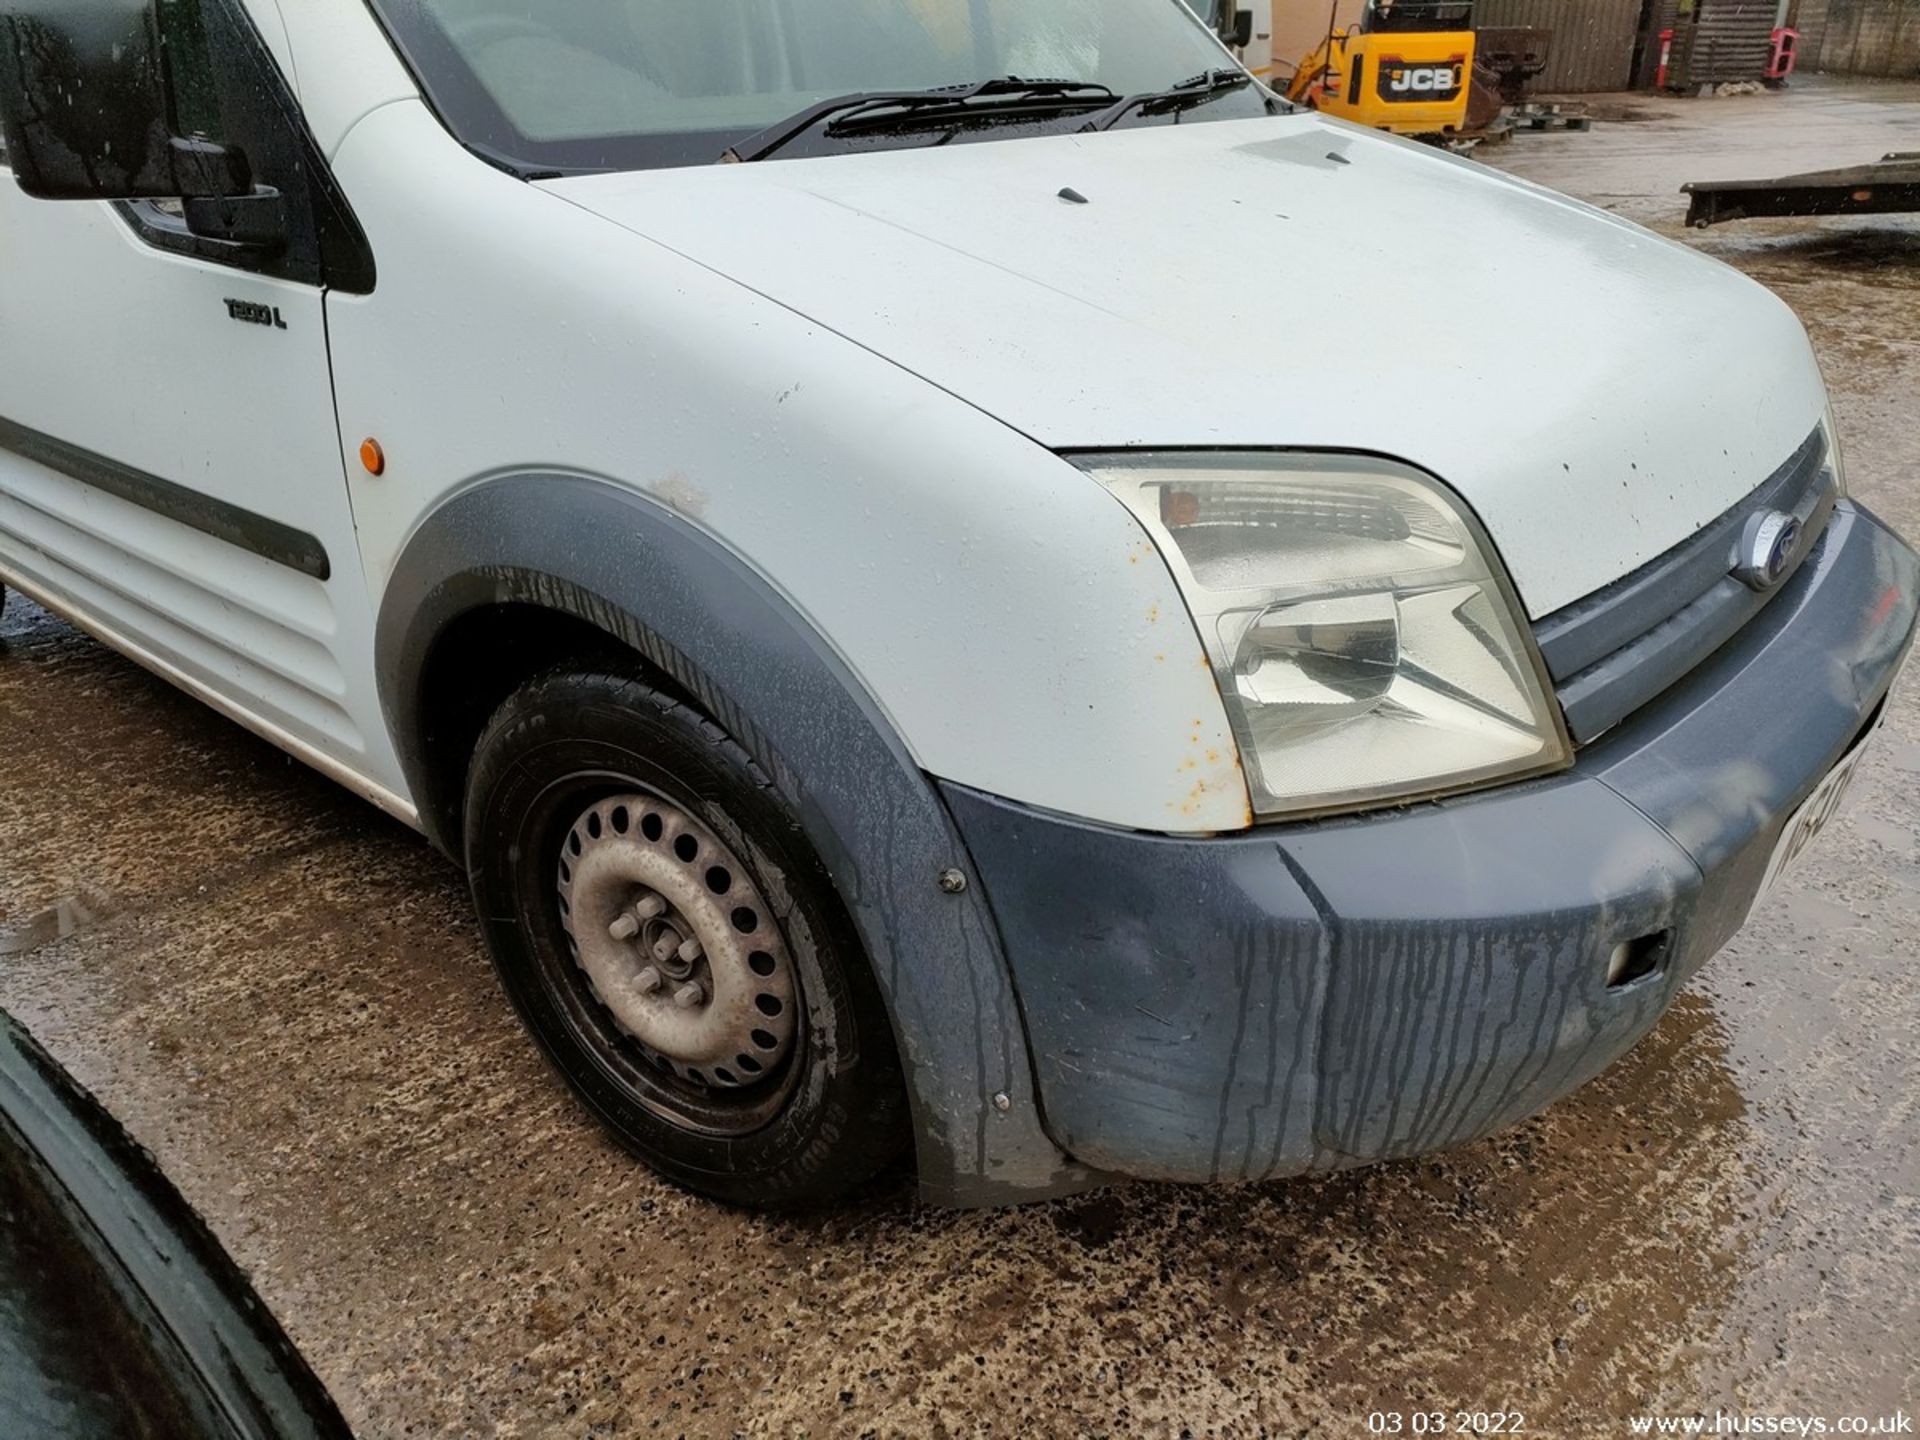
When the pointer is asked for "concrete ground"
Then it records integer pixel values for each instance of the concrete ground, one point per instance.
(282, 996)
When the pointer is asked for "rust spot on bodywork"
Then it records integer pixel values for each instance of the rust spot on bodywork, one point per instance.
(683, 495)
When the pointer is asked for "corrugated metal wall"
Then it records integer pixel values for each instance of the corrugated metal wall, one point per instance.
(1592, 40)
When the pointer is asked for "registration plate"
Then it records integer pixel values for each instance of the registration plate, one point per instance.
(1815, 811)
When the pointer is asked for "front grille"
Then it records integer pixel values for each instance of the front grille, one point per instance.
(1618, 648)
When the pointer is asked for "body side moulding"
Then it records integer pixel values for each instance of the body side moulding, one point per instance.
(257, 534)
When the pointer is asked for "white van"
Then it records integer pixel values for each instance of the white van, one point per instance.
(821, 529)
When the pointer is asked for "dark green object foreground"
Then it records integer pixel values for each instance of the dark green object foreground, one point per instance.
(119, 1313)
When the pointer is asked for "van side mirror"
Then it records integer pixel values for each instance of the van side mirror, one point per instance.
(87, 111)
(1241, 35)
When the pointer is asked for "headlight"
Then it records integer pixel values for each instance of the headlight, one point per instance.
(1830, 432)
(1367, 644)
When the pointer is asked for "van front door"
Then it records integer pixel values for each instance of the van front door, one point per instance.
(171, 475)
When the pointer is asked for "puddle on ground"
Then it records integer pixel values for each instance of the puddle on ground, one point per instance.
(1886, 253)
(65, 916)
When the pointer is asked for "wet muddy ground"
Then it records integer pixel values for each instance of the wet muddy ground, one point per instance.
(282, 995)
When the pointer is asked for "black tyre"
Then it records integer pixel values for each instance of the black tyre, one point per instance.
(676, 947)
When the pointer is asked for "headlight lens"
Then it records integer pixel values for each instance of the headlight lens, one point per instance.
(1367, 645)
(1836, 462)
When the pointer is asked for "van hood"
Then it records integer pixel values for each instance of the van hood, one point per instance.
(1595, 392)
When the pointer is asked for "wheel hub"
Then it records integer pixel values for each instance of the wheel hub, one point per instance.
(677, 942)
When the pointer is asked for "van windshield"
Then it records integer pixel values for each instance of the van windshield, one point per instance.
(581, 85)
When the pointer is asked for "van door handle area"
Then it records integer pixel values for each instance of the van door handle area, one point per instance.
(257, 220)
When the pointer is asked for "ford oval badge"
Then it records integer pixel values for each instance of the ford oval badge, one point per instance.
(1767, 546)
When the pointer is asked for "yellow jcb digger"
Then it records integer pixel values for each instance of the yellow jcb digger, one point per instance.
(1399, 65)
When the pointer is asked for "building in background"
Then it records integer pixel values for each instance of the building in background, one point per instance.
(1602, 45)
(1860, 37)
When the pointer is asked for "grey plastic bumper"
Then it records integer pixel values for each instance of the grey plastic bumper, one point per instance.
(1307, 997)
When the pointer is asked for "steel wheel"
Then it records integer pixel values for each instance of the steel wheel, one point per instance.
(676, 946)
(677, 943)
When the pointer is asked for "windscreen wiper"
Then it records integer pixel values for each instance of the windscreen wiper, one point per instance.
(1195, 90)
(876, 109)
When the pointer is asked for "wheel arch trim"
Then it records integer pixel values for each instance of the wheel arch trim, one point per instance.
(605, 554)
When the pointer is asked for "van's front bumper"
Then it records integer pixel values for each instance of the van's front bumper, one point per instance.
(1309, 996)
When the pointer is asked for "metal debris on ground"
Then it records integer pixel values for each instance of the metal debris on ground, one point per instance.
(1887, 187)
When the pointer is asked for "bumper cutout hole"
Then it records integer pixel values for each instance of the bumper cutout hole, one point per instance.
(1633, 960)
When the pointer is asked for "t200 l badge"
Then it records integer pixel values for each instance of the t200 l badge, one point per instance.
(255, 314)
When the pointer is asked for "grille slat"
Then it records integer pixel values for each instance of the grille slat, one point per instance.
(1615, 650)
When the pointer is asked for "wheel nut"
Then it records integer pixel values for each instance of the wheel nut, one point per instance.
(649, 980)
(624, 928)
(650, 907)
(664, 947)
(690, 951)
(688, 996)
